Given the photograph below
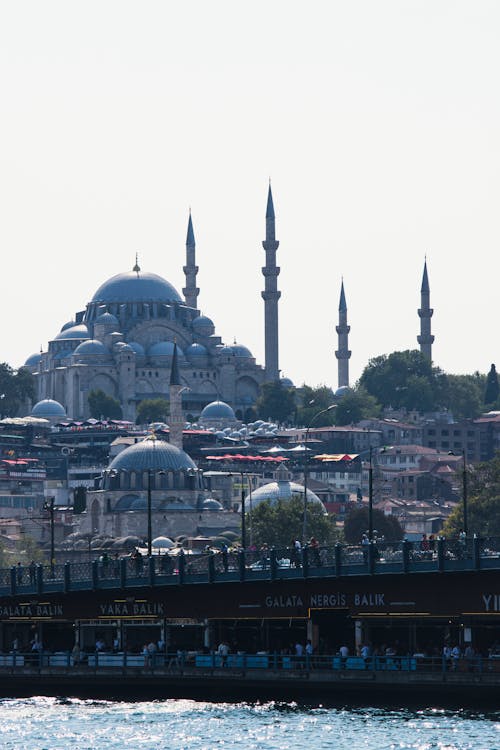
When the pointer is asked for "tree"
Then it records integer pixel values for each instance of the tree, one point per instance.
(153, 410)
(357, 522)
(103, 406)
(275, 402)
(483, 502)
(314, 400)
(492, 390)
(28, 550)
(276, 524)
(405, 380)
(465, 395)
(16, 386)
(356, 405)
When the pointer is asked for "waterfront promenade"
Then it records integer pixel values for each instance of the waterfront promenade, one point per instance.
(253, 677)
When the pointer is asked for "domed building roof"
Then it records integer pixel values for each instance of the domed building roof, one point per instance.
(287, 383)
(156, 455)
(48, 408)
(106, 319)
(164, 349)
(138, 348)
(211, 504)
(283, 490)
(33, 360)
(90, 348)
(241, 351)
(203, 326)
(69, 324)
(196, 350)
(79, 331)
(136, 286)
(217, 410)
(342, 391)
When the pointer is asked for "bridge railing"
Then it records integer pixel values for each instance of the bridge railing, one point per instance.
(265, 564)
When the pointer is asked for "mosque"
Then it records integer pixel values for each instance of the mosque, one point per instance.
(123, 343)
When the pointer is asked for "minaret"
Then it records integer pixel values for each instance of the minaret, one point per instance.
(176, 419)
(425, 313)
(270, 295)
(343, 354)
(191, 291)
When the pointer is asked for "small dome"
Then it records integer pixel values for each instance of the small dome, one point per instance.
(67, 325)
(136, 286)
(282, 491)
(211, 504)
(126, 502)
(162, 542)
(287, 383)
(225, 351)
(342, 391)
(163, 349)
(90, 348)
(152, 454)
(48, 408)
(106, 319)
(138, 348)
(79, 331)
(33, 360)
(196, 350)
(241, 351)
(203, 326)
(217, 410)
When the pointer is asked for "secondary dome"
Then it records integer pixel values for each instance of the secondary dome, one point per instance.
(196, 350)
(241, 351)
(33, 360)
(106, 319)
(156, 455)
(48, 408)
(90, 348)
(203, 326)
(79, 331)
(283, 491)
(164, 349)
(138, 348)
(136, 286)
(217, 410)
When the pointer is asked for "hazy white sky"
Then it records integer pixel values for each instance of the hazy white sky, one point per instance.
(378, 122)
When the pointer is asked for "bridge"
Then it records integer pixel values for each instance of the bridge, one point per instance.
(340, 561)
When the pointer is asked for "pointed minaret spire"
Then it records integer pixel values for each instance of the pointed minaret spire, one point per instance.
(343, 354)
(190, 291)
(425, 314)
(176, 418)
(271, 295)
(174, 372)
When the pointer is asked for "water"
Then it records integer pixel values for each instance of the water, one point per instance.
(53, 724)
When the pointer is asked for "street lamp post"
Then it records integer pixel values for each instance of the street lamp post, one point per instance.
(464, 492)
(150, 522)
(370, 498)
(49, 505)
(464, 489)
(306, 466)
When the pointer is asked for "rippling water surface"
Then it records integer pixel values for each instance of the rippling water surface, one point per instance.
(51, 723)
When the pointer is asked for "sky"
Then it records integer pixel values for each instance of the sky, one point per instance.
(378, 124)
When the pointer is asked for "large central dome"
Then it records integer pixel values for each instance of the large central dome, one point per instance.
(136, 286)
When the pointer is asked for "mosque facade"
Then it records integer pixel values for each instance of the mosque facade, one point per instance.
(123, 342)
